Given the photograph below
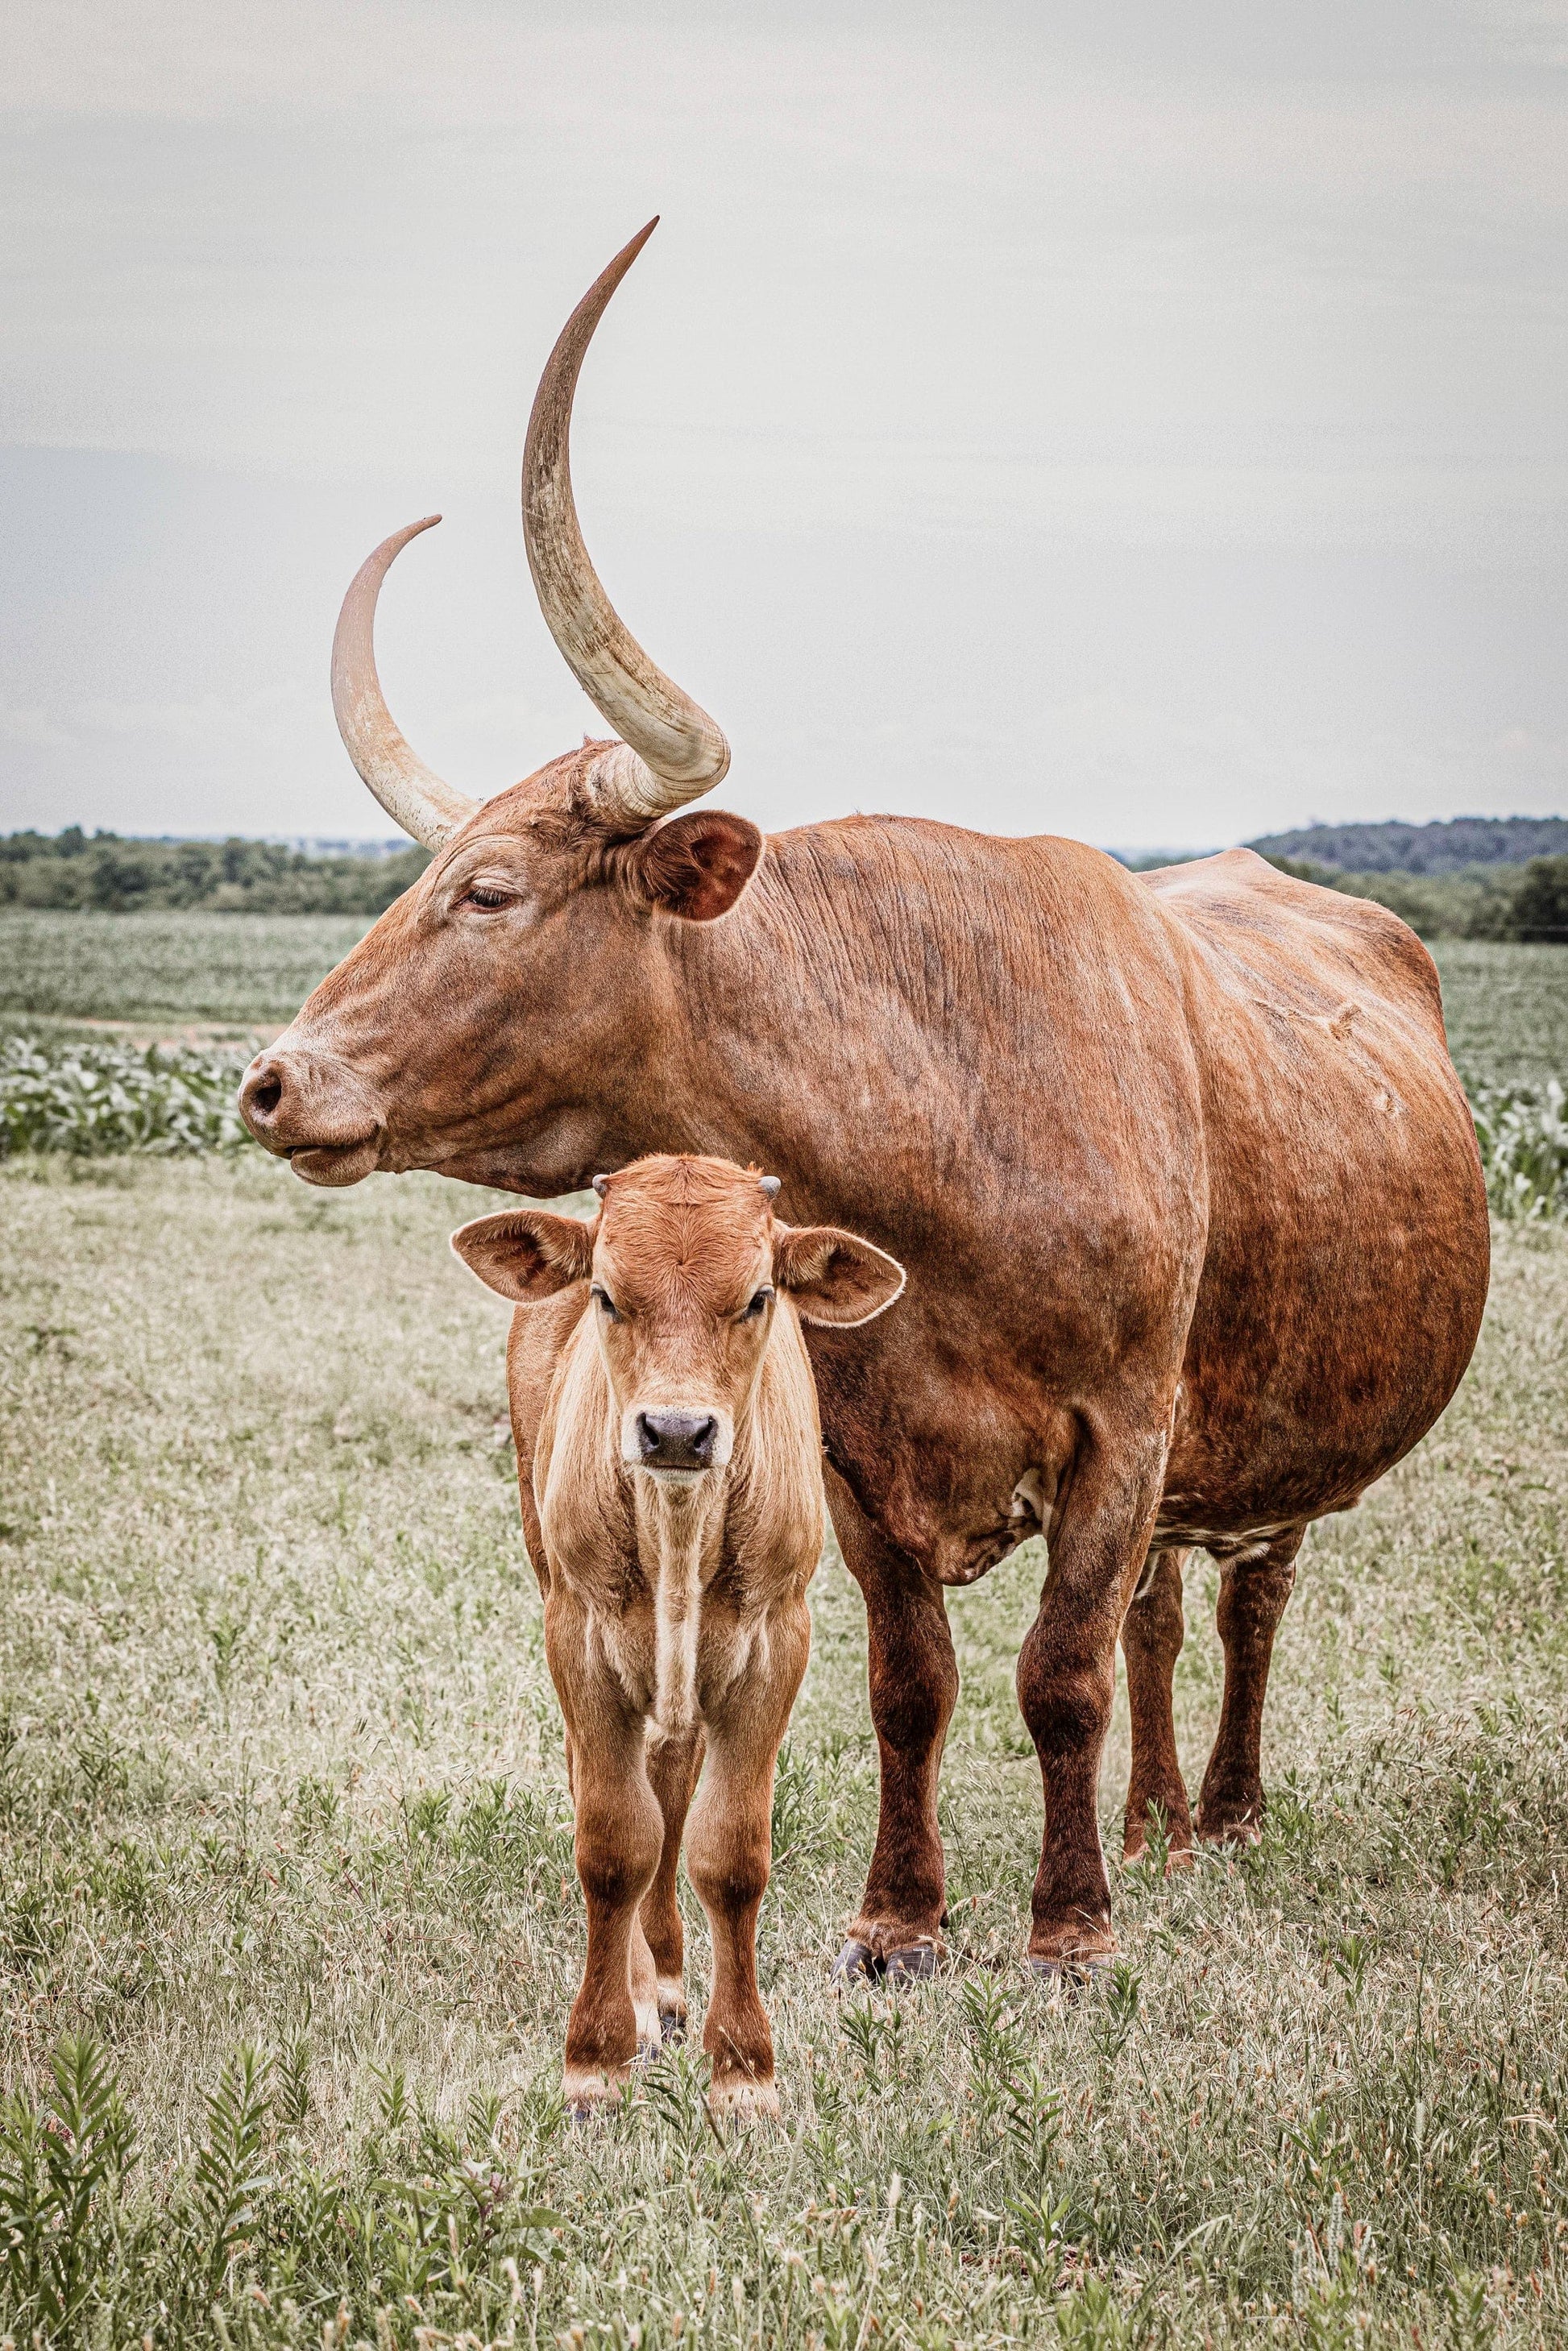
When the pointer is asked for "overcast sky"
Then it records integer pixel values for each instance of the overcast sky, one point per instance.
(1144, 422)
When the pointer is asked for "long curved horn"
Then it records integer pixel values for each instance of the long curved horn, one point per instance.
(412, 794)
(677, 751)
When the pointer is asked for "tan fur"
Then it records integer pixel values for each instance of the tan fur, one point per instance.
(675, 1617)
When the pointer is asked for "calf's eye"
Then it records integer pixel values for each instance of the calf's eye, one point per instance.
(605, 1303)
(758, 1306)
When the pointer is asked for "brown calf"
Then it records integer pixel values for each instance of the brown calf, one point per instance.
(669, 1460)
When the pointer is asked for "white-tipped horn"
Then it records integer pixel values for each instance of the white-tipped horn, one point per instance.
(412, 795)
(675, 750)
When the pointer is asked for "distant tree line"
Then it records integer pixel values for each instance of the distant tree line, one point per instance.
(1449, 845)
(1486, 902)
(73, 870)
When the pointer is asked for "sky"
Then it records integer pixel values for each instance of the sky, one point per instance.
(1143, 423)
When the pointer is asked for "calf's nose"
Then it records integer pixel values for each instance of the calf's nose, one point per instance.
(676, 1440)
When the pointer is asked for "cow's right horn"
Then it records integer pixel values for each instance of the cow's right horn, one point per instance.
(412, 795)
(674, 750)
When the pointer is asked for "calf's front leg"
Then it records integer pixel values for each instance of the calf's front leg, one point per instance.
(729, 1850)
(620, 1836)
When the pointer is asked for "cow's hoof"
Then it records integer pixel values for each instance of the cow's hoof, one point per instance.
(915, 1964)
(1073, 1976)
(856, 1964)
(671, 2027)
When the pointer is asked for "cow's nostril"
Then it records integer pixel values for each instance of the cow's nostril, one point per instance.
(676, 1440)
(265, 1093)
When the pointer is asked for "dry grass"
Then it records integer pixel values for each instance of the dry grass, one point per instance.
(282, 1768)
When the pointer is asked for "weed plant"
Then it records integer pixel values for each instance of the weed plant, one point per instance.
(289, 1923)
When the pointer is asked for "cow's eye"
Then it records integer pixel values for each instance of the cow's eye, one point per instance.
(605, 1303)
(488, 896)
(758, 1306)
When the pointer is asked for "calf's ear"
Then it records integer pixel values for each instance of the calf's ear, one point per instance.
(834, 1277)
(695, 865)
(526, 1253)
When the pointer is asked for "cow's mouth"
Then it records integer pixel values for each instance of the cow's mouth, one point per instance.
(336, 1164)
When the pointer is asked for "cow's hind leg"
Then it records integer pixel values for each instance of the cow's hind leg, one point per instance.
(1151, 1643)
(1067, 1679)
(1253, 1591)
(673, 1768)
(914, 1688)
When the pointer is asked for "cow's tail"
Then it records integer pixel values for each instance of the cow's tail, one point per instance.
(677, 1620)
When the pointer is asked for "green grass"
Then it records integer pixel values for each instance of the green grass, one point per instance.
(162, 968)
(282, 1776)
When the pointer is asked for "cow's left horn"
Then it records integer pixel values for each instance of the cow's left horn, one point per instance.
(412, 795)
(676, 749)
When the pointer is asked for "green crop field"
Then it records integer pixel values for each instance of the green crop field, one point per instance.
(165, 970)
(1507, 1006)
(289, 1924)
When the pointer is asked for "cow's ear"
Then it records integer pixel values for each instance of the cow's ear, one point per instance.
(834, 1277)
(695, 865)
(526, 1253)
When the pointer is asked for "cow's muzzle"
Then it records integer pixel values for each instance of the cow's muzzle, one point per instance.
(309, 1108)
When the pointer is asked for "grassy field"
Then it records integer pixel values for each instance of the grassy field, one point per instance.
(159, 974)
(282, 1773)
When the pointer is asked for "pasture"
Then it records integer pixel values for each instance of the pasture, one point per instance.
(285, 1882)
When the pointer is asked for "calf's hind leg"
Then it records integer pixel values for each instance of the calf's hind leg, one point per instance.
(1253, 1591)
(673, 1768)
(1151, 1637)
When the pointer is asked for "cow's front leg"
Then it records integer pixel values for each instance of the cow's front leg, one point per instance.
(1066, 1681)
(673, 1768)
(1253, 1597)
(914, 1689)
(1151, 1643)
(620, 1836)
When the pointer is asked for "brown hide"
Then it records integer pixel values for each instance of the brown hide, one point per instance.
(1185, 1186)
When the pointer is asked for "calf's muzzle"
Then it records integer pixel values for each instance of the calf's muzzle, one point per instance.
(676, 1440)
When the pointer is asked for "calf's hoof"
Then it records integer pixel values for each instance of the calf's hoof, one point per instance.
(746, 2101)
(671, 2027)
(588, 2094)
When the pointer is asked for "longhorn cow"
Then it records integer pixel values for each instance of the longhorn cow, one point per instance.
(1183, 1176)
